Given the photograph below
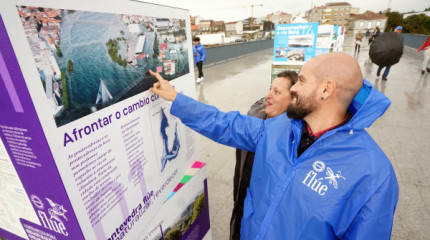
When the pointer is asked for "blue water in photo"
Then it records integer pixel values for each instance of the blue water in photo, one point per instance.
(83, 38)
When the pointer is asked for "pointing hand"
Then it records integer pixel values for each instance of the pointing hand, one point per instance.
(163, 88)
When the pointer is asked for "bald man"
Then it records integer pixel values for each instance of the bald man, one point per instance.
(317, 173)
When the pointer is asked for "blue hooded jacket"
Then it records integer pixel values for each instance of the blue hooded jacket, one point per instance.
(200, 52)
(342, 187)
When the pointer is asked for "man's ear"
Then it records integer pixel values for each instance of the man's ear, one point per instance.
(328, 88)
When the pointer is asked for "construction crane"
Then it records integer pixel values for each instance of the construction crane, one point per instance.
(252, 12)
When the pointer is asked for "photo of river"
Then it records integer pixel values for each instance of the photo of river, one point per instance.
(89, 60)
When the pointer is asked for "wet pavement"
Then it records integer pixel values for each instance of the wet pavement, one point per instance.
(401, 132)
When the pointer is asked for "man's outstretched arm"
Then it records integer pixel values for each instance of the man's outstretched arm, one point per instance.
(231, 128)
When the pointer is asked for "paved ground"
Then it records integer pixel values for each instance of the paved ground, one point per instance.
(401, 133)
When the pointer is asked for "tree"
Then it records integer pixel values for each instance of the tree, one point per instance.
(419, 23)
(59, 53)
(64, 90)
(156, 47)
(70, 67)
(199, 205)
(268, 26)
(174, 234)
(394, 19)
(182, 23)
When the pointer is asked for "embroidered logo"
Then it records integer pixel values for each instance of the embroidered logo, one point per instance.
(315, 183)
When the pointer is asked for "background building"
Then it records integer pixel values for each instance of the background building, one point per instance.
(366, 21)
(195, 20)
(234, 29)
(315, 14)
(339, 13)
(279, 18)
(332, 13)
(218, 26)
(205, 26)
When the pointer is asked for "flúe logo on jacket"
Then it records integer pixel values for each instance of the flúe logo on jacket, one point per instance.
(314, 181)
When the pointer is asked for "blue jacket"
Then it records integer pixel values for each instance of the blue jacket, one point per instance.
(342, 187)
(200, 52)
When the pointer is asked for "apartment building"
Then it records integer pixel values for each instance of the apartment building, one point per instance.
(337, 13)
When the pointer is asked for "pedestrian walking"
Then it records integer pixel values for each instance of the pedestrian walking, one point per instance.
(199, 53)
(426, 52)
(376, 33)
(391, 49)
(274, 104)
(358, 39)
(317, 173)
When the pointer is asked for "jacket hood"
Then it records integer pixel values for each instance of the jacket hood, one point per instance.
(368, 105)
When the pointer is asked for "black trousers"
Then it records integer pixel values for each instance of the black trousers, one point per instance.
(200, 68)
(357, 46)
(241, 183)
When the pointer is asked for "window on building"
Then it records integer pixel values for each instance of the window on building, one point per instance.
(341, 14)
(369, 24)
(335, 9)
(361, 24)
(378, 23)
(341, 9)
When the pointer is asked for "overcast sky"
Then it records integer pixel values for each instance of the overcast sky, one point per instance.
(229, 10)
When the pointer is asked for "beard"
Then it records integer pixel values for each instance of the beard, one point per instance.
(302, 107)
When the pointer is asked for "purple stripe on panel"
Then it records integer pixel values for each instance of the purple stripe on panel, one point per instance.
(8, 82)
(32, 159)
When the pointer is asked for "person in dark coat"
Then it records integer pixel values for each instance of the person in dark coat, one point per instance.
(387, 68)
(274, 104)
(376, 33)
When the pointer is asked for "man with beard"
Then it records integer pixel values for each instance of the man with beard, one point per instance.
(317, 173)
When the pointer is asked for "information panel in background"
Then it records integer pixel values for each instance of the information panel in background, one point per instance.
(295, 43)
(275, 69)
(338, 38)
(324, 40)
(86, 151)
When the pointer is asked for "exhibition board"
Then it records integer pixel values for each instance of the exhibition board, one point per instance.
(89, 152)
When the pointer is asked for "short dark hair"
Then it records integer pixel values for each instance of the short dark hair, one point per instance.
(196, 39)
(292, 75)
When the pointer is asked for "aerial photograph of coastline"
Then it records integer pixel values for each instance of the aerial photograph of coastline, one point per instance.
(89, 60)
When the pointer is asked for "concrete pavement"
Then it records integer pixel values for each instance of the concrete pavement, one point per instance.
(402, 132)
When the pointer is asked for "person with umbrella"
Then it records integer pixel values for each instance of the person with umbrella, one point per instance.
(387, 51)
